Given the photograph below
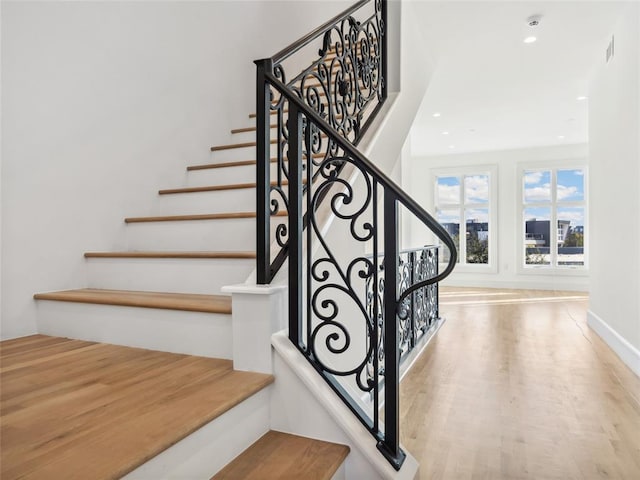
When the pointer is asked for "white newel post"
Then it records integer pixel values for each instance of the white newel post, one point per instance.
(258, 311)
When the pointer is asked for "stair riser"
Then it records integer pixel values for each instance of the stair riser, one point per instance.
(177, 331)
(220, 201)
(212, 235)
(205, 276)
(196, 235)
(226, 175)
(209, 449)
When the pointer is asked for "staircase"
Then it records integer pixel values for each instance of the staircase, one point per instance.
(200, 238)
(157, 295)
(166, 292)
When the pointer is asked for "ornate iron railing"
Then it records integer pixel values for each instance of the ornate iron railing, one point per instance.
(344, 84)
(419, 311)
(350, 337)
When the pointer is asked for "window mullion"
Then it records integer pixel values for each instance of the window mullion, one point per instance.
(553, 228)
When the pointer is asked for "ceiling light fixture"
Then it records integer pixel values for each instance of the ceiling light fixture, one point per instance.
(560, 137)
(532, 22)
(436, 115)
(581, 98)
(445, 133)
(452, 146)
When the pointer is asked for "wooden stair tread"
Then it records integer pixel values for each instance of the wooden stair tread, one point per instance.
(216, 188)
(271, 112)
(73, 409)
(190, 302)
(143, 254)
(238, 145)
(204, 216)
(239, 163)
(249, 144)
(279, 455)
(213, 188)
(250, 129)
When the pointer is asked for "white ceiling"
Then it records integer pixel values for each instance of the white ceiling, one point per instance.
(495, 92)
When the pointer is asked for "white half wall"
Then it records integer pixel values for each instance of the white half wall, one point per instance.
(105, 102)
(507, 272)
(614, 137)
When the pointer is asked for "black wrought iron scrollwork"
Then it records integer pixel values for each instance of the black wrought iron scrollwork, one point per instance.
(345, 82)
(328, 280)
(356, 304)
(351, 314)
(418, 312)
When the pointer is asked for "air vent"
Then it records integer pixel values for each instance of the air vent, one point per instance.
(610, 49)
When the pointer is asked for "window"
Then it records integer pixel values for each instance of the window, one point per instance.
(463, 205)
(554, 217)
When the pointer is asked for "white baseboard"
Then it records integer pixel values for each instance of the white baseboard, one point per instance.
(629, 354)
(522, 284)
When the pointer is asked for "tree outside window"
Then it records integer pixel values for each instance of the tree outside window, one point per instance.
(462, 204)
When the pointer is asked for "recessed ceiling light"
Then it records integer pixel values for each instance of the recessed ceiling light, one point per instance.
(452, 146)
(445, 133)
(436, 115)
(581, 98)
(560, 137)
(530, 39)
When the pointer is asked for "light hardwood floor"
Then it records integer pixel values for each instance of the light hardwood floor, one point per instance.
(516, 386)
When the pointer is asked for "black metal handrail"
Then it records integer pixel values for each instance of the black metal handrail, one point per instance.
(314, 323)
(312, 35)
(344, 313)
(407, 201)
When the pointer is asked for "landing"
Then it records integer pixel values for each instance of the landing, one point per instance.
(71, 409)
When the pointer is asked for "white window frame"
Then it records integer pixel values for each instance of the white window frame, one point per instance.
(491, 205)
(553, 204)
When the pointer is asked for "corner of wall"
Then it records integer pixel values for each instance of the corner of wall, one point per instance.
(627, 352)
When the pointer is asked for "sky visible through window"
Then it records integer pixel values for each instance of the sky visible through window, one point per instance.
(569, 188)
(556, 194)
(462, 207)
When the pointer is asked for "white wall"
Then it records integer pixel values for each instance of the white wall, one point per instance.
(508, 274)
(614, 131)
(104, 103)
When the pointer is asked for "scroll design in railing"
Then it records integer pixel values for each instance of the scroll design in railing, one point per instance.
(419, 311)
(329, 320)
(339, 333)
(337, 307)
(345, 85)
(346, 82)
